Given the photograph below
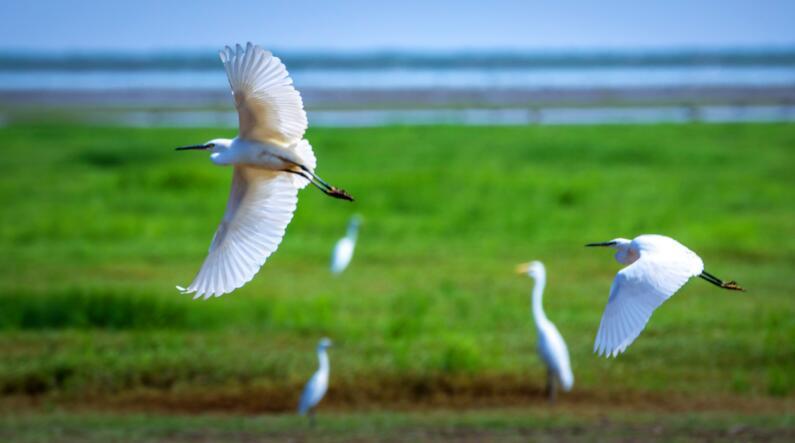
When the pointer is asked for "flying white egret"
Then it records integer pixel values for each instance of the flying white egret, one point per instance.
(551, 346)
(343, 250)
(316, 387)
(271, 162)
(658, 267)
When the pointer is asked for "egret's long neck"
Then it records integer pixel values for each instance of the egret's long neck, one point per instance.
(353, 231)
(538, 294)
(322, 358)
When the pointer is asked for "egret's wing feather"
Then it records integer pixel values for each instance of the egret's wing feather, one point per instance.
(636, 292)
(308, 396)
(261, 205)
(269, 108)
(555, 353)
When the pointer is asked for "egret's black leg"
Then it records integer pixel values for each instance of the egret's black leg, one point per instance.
(333, 191)
(310, 172)
(710, 278)
(308, 178)
(311, 416)
(551, 388)
(720, 283)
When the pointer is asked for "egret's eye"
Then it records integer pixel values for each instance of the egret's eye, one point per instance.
(210, 145)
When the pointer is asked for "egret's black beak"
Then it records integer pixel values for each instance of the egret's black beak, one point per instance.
(604, 243)
(198, 147)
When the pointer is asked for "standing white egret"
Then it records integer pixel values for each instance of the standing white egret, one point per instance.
(658, 267)
(316, 387)
(551, 346)
(343, 250)
(271, 163)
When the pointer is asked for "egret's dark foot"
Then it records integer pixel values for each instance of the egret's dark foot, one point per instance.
(339, 193)
(551, 391)
(732, 285)
(331, 191)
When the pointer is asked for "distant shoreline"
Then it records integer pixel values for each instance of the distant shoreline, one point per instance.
(207, 59)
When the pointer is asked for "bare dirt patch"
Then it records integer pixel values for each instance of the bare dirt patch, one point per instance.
(400, 393)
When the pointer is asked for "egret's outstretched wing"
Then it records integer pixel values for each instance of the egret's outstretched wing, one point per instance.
(636, 292)
(268, 106)
(261, 205)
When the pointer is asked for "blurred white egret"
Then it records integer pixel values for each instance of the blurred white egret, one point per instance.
(316, 387)
(343, 250)
(271, 163)
(658, 267)
(551, 346)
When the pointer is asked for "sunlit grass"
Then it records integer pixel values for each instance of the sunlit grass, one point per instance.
(99, 224)
(505, 425)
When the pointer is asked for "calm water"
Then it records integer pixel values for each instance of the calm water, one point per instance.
(400, 78)
(770, 76)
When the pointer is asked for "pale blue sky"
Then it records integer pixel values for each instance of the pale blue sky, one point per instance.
(407, 24)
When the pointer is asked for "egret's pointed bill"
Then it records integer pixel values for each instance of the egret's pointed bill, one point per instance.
(198, 147)
(604, 243)
(522, 268)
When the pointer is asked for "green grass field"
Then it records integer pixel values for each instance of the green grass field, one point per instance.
(503, 425)
(100, 224)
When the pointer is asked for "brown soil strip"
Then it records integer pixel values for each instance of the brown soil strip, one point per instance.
(399, 393)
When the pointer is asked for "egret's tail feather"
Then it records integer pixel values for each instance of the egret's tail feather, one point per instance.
(307, 156)
(566, 380)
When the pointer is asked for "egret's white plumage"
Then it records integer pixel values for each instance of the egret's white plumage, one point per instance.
(269, 108)
(551, 346)
(343, 250)
(657, 267)
(316, 387)
(271, 163)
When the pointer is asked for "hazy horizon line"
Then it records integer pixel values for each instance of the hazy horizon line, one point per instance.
(648, 49)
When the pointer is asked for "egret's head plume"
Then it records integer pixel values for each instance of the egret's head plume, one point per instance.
(220, 144)
(625, 253)
(324, 343)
